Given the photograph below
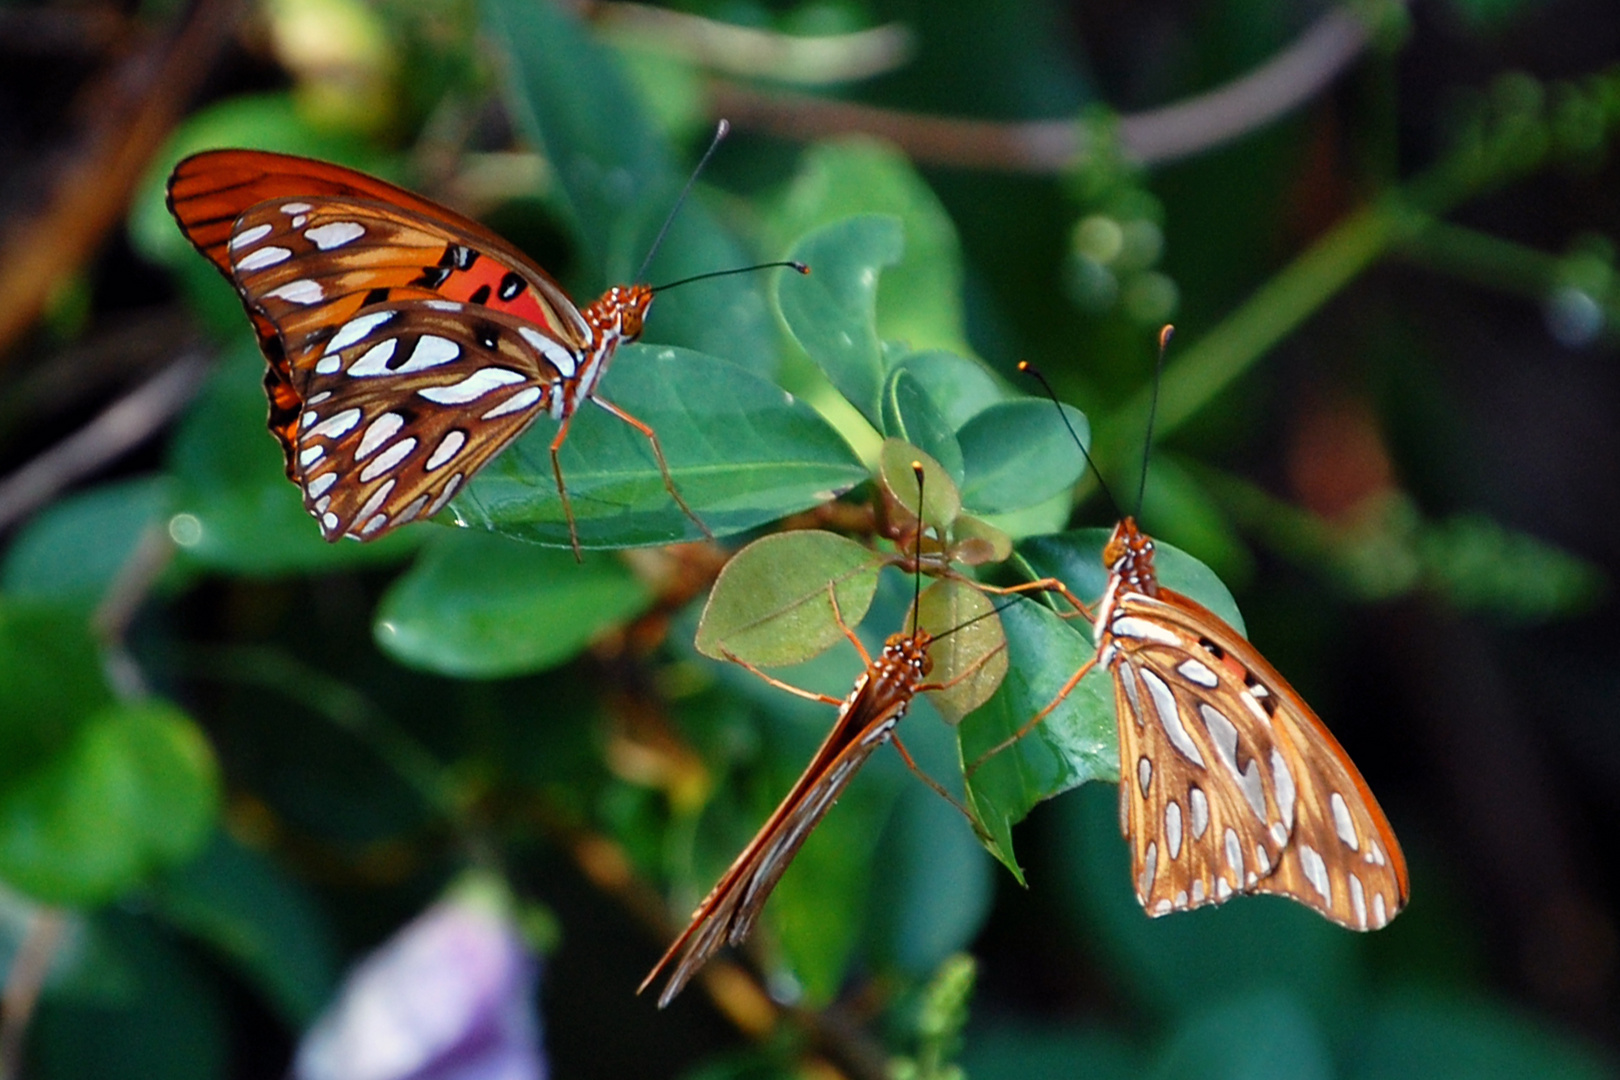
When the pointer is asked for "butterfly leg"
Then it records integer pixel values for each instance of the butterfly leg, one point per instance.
(562, 488)
(658, 453)
(938, 788)
(838, 617)
(1047, 584)
(1063, 692)
(778, 683)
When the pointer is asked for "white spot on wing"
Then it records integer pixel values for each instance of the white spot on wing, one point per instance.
(1200, 812)
(1144, 774)
(1342, 823)
(1234, 851)
(318, 398)
(445, 495)
(1150, 869)
(329, 365)
(329, 521)
(302, 291)
(556, 355)
(377, 522)
(374, 361)
(1193, 671)
(1164, 703)
(296, 208)
(1316, 871)
(249, 236)
(318, 486)
(471, 388)
(1380, 916)
(374, 503)
(1198, 893)
(410, 512)
(519, 401)
(1132, 627)
(265, 256)
(309, 455)
(335, 425)
(387, 460)
(356, 329)
(1172, 828)
(1223, 733)
(333, 235)
(380, 430)
(1127, 679)
(431, 351)
(1223, 888)
(1283, 787)
(447, 448)
(1358, 901)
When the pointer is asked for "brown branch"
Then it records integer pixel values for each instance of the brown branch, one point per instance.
(132, 110)
(1200, 123)
(122, 425)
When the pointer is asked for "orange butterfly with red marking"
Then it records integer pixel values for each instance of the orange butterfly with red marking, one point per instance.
(1229, 782)
(407, 345)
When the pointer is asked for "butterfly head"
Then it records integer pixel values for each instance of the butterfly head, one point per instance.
(909, 652)
(621, 311)
(1129, 556)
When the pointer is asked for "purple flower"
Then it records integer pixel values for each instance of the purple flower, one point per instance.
(448, 997)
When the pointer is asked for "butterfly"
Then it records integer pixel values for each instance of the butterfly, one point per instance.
(1229, 782)
(406, 344)
(882, 694)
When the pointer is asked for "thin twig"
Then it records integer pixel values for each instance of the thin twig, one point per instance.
(1277, 87)
(123, 425)
(24, 982)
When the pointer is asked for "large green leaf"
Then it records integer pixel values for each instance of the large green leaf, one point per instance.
(568, 95)
(833, 313)
(1019, 453)
(740, 450)
(136, 790)
(484, 606)
(773, 601)
(920, 298)
(909, 413)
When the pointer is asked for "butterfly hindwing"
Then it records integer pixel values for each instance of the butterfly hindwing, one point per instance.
(1266, 801)
(404, 403)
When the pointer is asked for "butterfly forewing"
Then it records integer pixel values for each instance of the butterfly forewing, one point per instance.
(1230, 784)
(866, 721)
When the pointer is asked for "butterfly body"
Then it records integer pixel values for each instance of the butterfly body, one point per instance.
(866, 720)
(406, 345)
(1229, 783)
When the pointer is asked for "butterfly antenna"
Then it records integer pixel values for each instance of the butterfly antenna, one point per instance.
(980, 617)
(790, 264)
(721, 130)
(1153, 411)
(1029, 369)
(916, 574)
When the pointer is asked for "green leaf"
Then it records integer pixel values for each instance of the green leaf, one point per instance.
(74, 548)
(235, 509)
(833, 313)
(135, 791)
(477, 605)
(1075, 558)
(567, 94)
(1075, 743)
(910, 414)
(920, 298)
(1019, 453)
(940, 502)
(741, 452)
(50, 669)
(969, 652)
(771, 604)
(960, 388)
(264, 923)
